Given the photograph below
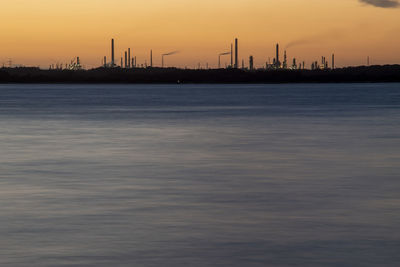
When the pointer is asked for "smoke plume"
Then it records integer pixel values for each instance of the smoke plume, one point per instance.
(171, 53)
(382, 3)
(225, 53)
(318, 38)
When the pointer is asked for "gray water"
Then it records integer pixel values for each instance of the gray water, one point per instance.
(200, 175)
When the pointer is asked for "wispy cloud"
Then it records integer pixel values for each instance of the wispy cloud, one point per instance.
(382, 3)
(318, 38)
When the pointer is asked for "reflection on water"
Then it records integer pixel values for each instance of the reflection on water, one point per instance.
(200, 175)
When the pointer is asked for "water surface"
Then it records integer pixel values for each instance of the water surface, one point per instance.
(200, 175)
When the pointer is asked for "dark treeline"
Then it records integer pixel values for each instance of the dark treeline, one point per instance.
(387, 73)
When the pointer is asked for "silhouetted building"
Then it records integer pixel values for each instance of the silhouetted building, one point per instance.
(74, 65)
(294, 64)
(251, 63)
(284, 60)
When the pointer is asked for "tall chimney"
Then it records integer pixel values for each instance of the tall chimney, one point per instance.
(236, 53)
(112, 53)
(231, 55)
(151, 58)
(278, 63)
(129, 58)
(284, 60)
(105, 61)
(126, 59)
(333, 61)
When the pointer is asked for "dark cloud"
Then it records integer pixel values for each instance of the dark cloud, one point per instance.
(382, 3)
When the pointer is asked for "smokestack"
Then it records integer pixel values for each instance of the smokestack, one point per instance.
(122, 62)
(284, 60)
(231, 55)
(277, 56)
(129, 58)
(333, 61)
(126, 59)
(105, 61)
(151, 58)
(236, 53)
(219, 58)
(112, 53)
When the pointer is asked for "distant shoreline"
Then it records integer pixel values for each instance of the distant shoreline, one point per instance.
(363, 74)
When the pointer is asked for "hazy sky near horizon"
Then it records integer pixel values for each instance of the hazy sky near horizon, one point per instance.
(44, 32)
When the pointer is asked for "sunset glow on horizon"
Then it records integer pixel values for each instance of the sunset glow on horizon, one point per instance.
(44, 32)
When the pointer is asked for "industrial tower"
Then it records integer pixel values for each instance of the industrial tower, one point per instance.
(236, 53)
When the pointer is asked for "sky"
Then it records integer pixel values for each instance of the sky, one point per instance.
(44, 32)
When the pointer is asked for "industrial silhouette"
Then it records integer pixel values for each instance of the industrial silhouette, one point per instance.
(129, 70)
(130, 62)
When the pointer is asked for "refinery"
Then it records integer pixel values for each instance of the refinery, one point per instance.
(229, 68)
(129, 61)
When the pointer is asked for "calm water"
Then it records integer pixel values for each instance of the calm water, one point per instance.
(200, 175)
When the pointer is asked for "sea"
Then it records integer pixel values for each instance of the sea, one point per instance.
(200, 175)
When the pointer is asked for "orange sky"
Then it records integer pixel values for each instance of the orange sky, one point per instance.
(44, 32)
